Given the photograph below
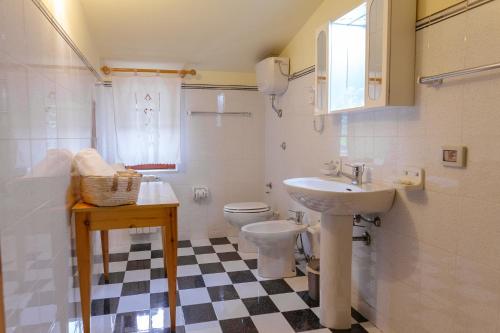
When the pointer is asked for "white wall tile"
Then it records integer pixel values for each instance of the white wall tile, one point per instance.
(12, 28)
(478, 296)
(14, 120)
(441, 48)
(482, 30)
(35, 182)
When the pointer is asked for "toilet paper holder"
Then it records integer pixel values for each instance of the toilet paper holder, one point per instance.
(200, 193)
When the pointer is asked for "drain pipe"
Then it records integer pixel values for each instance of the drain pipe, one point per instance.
(366, 238)
(375, 221)
(279, 112)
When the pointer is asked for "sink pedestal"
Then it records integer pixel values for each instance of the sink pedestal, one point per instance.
(329, 197)
(335, 276)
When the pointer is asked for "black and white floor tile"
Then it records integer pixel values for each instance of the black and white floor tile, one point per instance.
(219, 291)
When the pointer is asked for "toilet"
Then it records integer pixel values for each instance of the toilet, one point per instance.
(239, 214)
(275, 241)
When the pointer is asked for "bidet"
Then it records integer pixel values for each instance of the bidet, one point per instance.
(275, 241)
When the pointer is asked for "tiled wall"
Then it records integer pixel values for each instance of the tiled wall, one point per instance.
(225, 153)
(45, 114)
(434, 265)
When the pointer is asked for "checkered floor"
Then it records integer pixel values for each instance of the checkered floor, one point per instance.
(218, 291)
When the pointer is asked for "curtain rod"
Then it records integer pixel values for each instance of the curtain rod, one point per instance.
(182, 72)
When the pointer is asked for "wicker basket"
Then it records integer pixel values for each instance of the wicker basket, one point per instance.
(122, 189)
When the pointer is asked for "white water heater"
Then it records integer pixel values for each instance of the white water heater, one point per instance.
(272, 75)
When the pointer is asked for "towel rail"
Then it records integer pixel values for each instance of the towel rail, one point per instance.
(215, 113)
(438, 79)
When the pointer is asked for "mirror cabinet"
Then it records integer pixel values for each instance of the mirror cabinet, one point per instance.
(366, 58)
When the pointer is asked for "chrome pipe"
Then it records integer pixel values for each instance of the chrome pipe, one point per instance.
(279, 112)
(366, 238)
(375, 220)
(215, 113)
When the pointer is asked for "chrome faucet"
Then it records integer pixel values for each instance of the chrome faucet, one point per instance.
(356, 174)
(298, 218)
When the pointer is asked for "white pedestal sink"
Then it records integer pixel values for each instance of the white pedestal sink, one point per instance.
(337, 202)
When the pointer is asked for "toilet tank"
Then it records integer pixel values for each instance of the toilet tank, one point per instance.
(270, 79)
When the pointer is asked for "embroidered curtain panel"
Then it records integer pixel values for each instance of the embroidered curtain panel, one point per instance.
(145, 121)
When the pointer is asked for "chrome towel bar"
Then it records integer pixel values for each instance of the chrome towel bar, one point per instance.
(438, 79)
(215, 113)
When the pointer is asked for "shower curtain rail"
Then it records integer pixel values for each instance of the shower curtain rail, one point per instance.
(438, 79)
(182, 72)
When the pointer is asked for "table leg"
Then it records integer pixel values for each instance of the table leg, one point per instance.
(105, 254)
(83, 246)
(169, 238)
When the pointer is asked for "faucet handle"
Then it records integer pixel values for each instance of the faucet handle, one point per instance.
(358, 167)
(299, 215)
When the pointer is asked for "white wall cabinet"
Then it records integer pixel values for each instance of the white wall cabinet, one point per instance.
(366, 58)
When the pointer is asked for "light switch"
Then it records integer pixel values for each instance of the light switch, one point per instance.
(453, 156)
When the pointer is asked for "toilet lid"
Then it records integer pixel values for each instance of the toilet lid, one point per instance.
(246, 207)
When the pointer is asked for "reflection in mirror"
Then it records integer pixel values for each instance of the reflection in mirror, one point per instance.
(4, 106)
(375, 51)
(321, 72)
(347, 60)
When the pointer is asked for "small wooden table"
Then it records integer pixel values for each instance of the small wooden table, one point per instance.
(156, 207)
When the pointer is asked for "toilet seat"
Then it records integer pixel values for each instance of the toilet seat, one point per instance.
(239, 214)
(246, 207)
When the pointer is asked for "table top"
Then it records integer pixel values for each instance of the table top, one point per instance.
(151, 194)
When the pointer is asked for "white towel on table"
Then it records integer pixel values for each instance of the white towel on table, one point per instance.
(89, 163)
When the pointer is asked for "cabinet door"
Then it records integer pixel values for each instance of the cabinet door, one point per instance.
(322, 70)
(376, 59)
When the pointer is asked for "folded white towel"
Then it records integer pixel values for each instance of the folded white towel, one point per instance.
(119, 167)
(57, 162)
(89, 163)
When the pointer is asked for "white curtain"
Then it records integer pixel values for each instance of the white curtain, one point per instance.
(105, 124)
(141, 121)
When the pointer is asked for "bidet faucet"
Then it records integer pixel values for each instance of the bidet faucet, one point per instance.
(298, 218)
(356, 175)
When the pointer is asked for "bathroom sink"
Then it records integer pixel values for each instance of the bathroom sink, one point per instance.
(338, 198)
(337, 202)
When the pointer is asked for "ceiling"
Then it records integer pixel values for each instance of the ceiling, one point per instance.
(226, 35)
